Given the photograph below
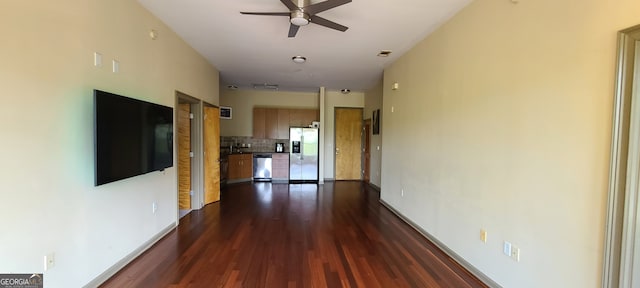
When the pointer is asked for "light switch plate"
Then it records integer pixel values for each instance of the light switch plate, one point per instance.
(506, 248)
(116, 66)
(97, 59)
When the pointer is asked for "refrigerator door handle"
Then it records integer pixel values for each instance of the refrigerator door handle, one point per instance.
(302, 147)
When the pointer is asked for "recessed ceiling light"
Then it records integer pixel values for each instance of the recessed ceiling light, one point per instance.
(299, 59)
(232, 87)
(345, 91)
(384, 53)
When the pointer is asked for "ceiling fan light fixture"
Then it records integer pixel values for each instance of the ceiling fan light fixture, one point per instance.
(299, 59)
(299, 18)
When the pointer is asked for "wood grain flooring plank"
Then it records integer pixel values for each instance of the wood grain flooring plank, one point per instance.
(280, 235)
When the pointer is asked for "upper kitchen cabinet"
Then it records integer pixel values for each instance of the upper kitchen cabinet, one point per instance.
(303, 117)
(271, 124)
(274, 123)
(259, 127)
(283, 124)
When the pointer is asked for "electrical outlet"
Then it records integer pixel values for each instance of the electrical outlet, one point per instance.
(483, 235)
(506, 248)
(154, 207)
(49, 261)
(515, 253)
(402, 192)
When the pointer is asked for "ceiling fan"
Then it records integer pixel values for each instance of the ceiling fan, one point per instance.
(302, 12)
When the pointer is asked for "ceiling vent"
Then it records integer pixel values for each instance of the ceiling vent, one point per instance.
(384, 53)
(265, 86)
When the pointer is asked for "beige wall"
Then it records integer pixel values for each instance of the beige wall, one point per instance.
(243, 101)
(373, 101)
(502, 121)
(49, 203)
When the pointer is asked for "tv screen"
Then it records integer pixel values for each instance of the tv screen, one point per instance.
(132, 137)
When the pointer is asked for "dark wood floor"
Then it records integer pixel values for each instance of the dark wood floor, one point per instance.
(280, 235)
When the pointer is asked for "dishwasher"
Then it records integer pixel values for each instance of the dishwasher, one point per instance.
(262, 167)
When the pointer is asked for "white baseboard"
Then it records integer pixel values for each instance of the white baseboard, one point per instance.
(484, 278)
(127, 259)
(374, 187)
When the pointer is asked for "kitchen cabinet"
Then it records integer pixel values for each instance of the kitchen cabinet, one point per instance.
(283, 124)
(240, 167)
(274, 123)
(259, 128)
(303, 117)
(265, 123)
(280, 166)
(271, 123)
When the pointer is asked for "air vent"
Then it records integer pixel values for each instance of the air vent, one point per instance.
(265, 86)
(384, 53)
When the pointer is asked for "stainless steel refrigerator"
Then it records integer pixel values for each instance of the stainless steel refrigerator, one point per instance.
(303, 155)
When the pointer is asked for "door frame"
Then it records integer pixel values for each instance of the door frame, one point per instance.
(197, 172)
(366, 142)
(622, 239)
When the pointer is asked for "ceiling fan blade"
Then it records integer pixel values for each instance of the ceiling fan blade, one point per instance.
(323, 6)
(290, 4)
(293, 30)
(328, 23)
(267, 13)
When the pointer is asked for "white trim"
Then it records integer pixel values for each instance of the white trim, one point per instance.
(621, 236)
(629, 253)
(130, 257)
(466, 265)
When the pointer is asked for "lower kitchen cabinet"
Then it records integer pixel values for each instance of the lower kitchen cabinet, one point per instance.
(240, 167)
(280, 166)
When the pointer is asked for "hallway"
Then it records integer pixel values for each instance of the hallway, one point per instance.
(280, 235)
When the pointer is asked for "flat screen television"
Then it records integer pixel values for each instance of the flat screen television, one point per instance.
(132, 137)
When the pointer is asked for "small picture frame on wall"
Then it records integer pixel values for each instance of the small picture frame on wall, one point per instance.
(225, 112)
(376, 122)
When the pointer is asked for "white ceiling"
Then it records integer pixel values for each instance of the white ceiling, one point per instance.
(249, 49)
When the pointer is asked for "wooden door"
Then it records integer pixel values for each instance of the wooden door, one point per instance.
(366, 151)
(211, 154)
(348, 137)
(184, 159)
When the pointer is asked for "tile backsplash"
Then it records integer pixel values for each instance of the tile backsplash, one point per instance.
(249, 144)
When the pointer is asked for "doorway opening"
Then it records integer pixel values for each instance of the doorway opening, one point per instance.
(188, 135)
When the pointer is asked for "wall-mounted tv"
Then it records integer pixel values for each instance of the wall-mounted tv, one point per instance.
(132, 137)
